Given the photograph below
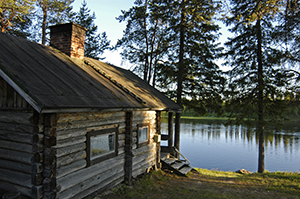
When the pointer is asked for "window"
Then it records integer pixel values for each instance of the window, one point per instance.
(101, 145)
(143, 134)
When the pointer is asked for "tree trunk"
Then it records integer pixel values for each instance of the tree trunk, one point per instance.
(180, 73)
(260, 130)
(45, 10)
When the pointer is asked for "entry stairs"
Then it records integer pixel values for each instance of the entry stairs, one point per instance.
(177, 165)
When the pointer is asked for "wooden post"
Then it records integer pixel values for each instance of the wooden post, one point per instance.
(37, 166)
(177, 132)
(128, 149)
(49, 173)
(170, 130)
(158, 132)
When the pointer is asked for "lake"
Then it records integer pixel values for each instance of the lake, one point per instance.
(211, 145)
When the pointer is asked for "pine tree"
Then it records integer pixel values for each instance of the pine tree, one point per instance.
(258, 80)
(192, 36)
(142, 40)
(287, 31)
(51, 12)
(15, 16)
(95, 43)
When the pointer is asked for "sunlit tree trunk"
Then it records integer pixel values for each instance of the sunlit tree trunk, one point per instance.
(44, 23)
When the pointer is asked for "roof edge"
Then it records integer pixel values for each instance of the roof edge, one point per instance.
(76, 110)
(28, 98)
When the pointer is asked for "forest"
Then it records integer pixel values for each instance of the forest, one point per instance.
(174, 46)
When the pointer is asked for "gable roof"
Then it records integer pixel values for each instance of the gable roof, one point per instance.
(50, 81)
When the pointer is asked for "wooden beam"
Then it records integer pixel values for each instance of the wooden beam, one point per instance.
(177, 132)
(128, 149)
(158, 132)
(170, 129)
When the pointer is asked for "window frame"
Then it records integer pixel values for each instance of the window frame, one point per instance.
(101, 131)
(146, 142)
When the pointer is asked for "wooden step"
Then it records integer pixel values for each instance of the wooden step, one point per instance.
(169, 160)
(177, 165)
(180, 167)
(184, 170)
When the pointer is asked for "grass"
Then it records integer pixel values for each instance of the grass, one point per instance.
(210, 184)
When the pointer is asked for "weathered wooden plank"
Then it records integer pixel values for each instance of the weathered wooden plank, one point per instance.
(50, 131)
(70, 133)
(140, 169)
(170, 160)
(121, 143)
(121, 136)
(16, 156)
(70, 142)
(84, 174)
(16, 117)
(37, 192)
(177, 165)
(68, 159)
(144, 149)
(185, 169)
(121, 150)
(37, 168)
(24, 191)
(137, 114)
(99, 179)
(115, 181)
(70, 149)
(15, 177)
(21, 128)
(37, 179)
(13, 136)
(88, 123)
(70, 117)
(15, 166)
(142, 157)
(65, 170)
(16, 146)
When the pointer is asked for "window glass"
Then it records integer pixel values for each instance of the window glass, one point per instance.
(102, 144)
(143, 134)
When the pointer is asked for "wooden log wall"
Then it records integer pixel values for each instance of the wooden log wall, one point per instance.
(9, 98)
(144, 157)
(74, 179)
(21, 149)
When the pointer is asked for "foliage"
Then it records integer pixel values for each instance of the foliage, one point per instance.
(50, 12)
(174, 42)
(95, 44)
(243, 92)
(142, 42)
(192, 51)
(287, 32)
(259, 82)
(14, 16)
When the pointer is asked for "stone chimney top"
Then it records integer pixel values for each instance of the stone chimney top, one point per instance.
(68, 38)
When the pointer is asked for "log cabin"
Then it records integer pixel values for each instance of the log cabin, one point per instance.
(72, 126)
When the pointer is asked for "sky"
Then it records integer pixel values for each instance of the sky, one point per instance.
(106, 12)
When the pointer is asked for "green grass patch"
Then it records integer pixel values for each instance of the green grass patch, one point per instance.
(211, 184)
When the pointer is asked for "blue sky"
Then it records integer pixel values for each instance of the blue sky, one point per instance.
(106, 12)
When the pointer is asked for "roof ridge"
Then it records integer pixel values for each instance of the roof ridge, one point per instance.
(127, 91)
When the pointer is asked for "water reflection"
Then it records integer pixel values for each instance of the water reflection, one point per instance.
(210, 144)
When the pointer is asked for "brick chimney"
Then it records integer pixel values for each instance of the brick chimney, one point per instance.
(68, 38)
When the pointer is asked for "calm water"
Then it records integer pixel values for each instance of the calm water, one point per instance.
(209, 144)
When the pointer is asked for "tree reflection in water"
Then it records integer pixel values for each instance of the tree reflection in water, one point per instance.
(210, 144)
